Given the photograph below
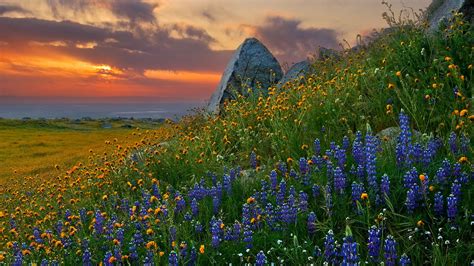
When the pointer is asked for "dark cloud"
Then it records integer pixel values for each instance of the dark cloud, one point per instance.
(289, 42)
(208, 15)
(188, 31)
(122, 49)
(134, 10)
(10, 8)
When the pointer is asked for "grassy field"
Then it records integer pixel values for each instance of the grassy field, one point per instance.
(33, 147)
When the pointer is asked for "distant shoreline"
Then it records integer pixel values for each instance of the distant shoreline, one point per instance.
(97, 110)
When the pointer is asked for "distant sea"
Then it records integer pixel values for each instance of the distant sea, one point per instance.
(77, 110)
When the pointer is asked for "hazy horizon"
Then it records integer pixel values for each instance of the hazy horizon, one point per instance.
(96, 110)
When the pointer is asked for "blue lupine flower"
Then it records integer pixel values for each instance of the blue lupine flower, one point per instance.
(198, 227)
(173, 259)
(44, 262)
(453, 143)
(390, 251)
(248, 237)
(452, 206)
(172, 231)
(315, 190)
(192, 257)
(311, 223)
(328, 197)
(373, 243)
(370, 161)
(18, 259)
(358, 149)
(457, 170)
(339, 180)
(288, 214)
(117, 253)
(303, 200)
(329, 172)
(438, 204)
(155, 190)
(360, 172)
(340, 156)
(410, 202)
(303, 163)
(148, 261)
(246, 214)
(357, 190)
(404, 141)
(133, 252)
(261, 259)
(464, 143)
(215, 231)
(183, 249)
(216, 204)
(330, 251)
(345, 143)
(86, 258)
(180, 203)
(332, 146)
(317, 147)
(227, 184)
(349, 252)
(385, 185)
(194, 207)
(282, 168)
(253, 160)
(410, 177)
(430, 151)
(293, 174)
(405, 260)
(236, 231)
(107, 257)
(456, 188)
(273, 180)
(416, 152)
(99, 223)
(281, 193)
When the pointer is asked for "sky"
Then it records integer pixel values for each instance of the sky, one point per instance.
(165, 50)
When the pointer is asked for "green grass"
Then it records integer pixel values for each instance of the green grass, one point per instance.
(36, 147)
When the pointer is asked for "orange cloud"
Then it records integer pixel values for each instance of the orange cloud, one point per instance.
(183, 76)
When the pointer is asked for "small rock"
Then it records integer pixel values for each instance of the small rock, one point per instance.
(326, 53)
(295, 72)
(390, 134)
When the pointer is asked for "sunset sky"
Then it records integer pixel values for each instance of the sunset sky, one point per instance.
(171, 50)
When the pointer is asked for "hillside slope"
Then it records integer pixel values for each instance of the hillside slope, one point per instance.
(295, 177)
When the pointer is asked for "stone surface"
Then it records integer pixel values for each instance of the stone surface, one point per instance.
(390, 135)
(296, 71)
(326, 53)
(251, 66)
(441, 11)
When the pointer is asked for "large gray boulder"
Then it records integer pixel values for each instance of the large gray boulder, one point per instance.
(440, 11)
(295, 72)
(251, 66)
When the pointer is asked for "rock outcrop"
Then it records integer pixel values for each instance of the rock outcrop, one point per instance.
(251, 66)
(326, 53)
(295, 72)
(441, 11)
